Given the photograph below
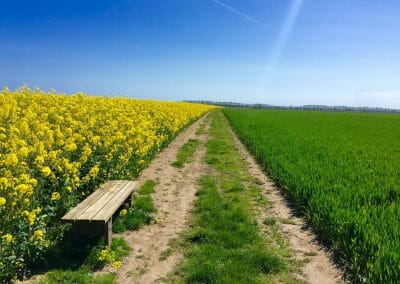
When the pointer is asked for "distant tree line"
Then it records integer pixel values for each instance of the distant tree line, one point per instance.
(304, 107)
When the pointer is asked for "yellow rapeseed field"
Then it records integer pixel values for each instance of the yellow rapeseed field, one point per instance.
(56, 149)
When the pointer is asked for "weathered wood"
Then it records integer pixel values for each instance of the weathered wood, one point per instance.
(93, 216)
(107, 198)
(108, 232)
(113, 204)
(76, 211)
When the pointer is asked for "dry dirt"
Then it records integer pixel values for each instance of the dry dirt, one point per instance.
(173, 198)
(319, 267)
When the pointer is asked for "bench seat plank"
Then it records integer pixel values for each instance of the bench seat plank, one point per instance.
(111, 188)
(76, 211)
(102, 204)
(109, 208)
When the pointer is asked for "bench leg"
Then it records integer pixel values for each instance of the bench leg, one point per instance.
(108, 232)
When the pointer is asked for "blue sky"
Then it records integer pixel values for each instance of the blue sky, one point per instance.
(285, 52)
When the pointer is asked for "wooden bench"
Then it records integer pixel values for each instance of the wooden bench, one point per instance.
(93, 216)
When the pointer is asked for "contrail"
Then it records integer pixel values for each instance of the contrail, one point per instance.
(241, 13)
(286, 30)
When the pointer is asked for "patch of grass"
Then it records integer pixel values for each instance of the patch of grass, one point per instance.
(200, 129)
(224, 245)
(185, 153)
(147, 187)
(288, 221)
(257, 181)
(120, 247)
(139, 214)
(257, 197)
(81, 276)
(310, 253)
(141, 211)
(142, 270)
(119, 225)
(118, 250)
(165, 254)
(270, 221)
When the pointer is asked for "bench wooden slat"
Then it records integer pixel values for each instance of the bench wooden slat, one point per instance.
(110, 189)
(113, 191)
(76, 211)
(109, 208)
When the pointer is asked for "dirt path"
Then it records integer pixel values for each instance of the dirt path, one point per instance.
(173, 199)
(318, 266)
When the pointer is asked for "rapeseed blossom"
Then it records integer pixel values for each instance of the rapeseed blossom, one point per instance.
(123, 212)
(46, 171)
(55, 196)
(38, 235)
(8, 238)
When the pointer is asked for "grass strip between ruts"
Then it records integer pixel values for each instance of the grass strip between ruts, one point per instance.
(185, 153)
(224, 244)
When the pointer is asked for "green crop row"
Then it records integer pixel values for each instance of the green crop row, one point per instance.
(342, 173)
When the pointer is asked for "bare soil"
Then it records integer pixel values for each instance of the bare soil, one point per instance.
(173, 198)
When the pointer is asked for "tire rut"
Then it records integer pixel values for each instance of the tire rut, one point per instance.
(319, 267)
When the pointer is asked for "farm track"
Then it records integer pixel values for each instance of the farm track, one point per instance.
(173, 199)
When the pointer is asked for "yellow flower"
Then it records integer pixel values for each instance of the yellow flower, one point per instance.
(95, 140)
(94, 171)
(30, 217)
(69, 189)
(8, 238)
(33, 181)
(123, 212)
(46, 171)
(38, 235)
(2, 201)
(116, 264)
(103, 255)
(11, 159)
(55, 196)
(3, 182)
(23, 152)
(39, 159)
(71, 147)
(24, 189)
